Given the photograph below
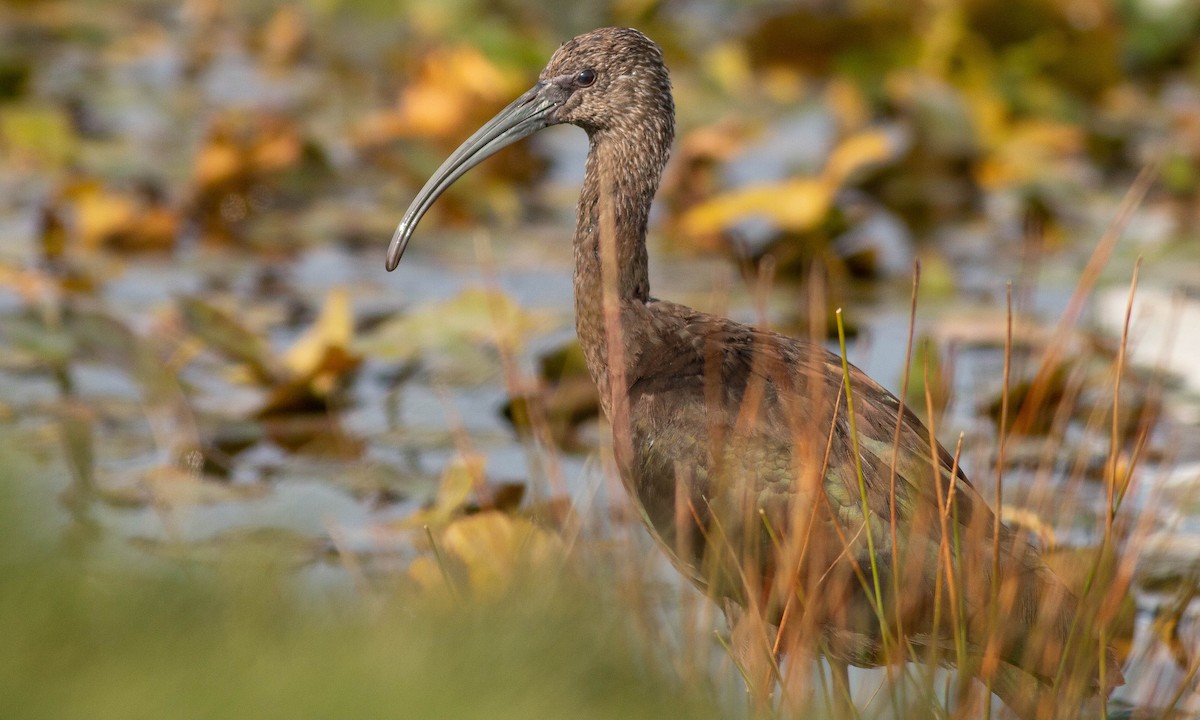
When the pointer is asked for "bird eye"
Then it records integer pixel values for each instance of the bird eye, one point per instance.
(585, 77)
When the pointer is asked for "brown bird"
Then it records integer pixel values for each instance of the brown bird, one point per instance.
(775, 476)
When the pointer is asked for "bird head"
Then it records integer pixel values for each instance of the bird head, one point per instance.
(608, 80)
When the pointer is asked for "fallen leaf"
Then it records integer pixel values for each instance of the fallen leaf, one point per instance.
(333, 328)
(135, 220)
(317, 363)
(225, 335)
(100, 214)
(427, 575)
(218, 162)
(864, 150)
(494, 546)
(312, 430)
(1033, 151)
(485, 552)
(310, 393)
(474, 316)
(728, 65)
(285, 36)
(37, 134)
(799, 204)
(447, 88)
(460, 478)
(277, 145)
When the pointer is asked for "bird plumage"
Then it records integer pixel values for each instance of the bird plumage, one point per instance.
(740, 446)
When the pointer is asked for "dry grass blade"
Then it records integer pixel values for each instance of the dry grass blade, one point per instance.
(1087, 281)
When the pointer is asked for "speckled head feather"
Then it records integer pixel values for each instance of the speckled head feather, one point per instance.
(623, 78)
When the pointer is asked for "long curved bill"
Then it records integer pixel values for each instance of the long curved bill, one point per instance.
(525, 116)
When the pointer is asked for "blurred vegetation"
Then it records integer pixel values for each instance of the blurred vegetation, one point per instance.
(195, 328)
(240, 637)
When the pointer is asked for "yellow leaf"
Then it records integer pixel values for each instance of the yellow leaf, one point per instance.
(459, 479)
(862, 150)
(333, 328)
(425, 573)
(217, 163)
(461, 476)
(797, 205)
(39, 134)
(1034, 151)
(729, 66)
(100, 215)
(495, 548)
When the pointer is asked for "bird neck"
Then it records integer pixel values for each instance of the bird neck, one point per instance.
(622, 174)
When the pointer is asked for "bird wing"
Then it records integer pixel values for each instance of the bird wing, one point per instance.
(756, 427)
(778, 402)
